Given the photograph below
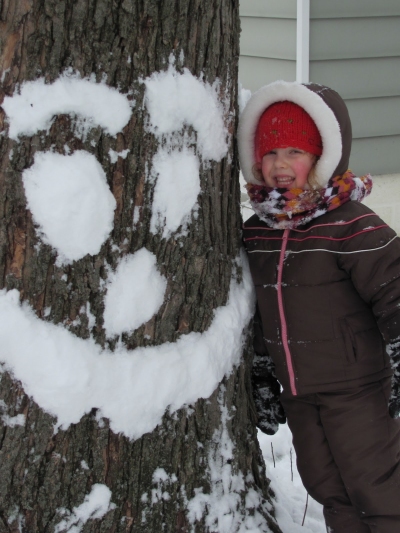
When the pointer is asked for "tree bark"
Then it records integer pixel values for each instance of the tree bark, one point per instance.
(41, 471)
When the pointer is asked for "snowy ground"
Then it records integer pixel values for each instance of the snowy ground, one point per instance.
(291, 497)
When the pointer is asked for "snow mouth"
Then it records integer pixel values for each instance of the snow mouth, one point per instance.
(68, 376)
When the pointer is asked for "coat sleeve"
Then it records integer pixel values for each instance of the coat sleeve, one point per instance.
(371, 257)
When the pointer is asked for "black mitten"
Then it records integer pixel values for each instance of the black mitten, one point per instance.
(266, 393)
(394, 402)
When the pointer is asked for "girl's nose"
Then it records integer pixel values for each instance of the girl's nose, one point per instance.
(280, 160)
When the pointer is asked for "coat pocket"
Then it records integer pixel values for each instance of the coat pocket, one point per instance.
(361, 337)
(348, 341)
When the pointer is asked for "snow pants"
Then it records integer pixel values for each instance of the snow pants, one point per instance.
(348, 453)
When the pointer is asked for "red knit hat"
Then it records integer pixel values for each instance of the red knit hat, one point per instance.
(286, 124)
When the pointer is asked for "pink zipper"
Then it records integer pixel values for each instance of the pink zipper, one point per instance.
(285, 342)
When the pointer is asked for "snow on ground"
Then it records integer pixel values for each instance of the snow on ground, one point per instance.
(291, 496)
(95, 505)
(135, 292)
(71, 202)
(93, 104)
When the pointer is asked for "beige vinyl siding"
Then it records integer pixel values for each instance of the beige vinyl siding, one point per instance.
(375, 117)
(268, 8)
(266, 37)
(354, 38)
(359, 78)
(267, 42)
(354, 8)
(376, 155)
(254, 72)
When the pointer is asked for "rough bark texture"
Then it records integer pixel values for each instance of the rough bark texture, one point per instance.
(41, 471)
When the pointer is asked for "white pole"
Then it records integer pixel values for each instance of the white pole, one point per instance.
(303, 41)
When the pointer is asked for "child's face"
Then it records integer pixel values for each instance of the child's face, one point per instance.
(287, 168)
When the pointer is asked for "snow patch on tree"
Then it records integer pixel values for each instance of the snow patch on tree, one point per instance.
(10, 421)
(95, 505)
(176, 190)
(230, 506)
(96, 104)
(162, 480)
(113, 155)
(175, 100)
(70, 202)
(68, 376)
(135, 293)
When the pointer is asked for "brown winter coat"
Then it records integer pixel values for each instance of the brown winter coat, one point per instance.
(339, 295)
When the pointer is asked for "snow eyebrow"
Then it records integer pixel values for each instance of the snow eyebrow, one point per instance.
(34, 108)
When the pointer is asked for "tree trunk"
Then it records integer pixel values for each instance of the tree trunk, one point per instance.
(44, 473)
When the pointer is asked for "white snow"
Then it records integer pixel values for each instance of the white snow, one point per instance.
(10, 421)
(291, 496)
(244, 96)
(13, 421)
(174, 100)
(70, 201)
(95, 505)
(68, 376)
(135, 293)
(113, 155)
(223, 507)
(176, 190)
(162, 481)
(94, 103)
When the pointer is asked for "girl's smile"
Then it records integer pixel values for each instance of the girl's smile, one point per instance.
(287, 168)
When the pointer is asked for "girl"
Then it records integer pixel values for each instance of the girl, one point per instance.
(327, 275)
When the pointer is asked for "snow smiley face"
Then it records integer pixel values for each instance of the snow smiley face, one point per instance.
(73, 209)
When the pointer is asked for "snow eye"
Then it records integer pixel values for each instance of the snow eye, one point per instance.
(70, 202)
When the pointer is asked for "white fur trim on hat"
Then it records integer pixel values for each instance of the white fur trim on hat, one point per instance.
(313, 104)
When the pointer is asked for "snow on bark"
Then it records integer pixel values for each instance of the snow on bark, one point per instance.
(93, 104)
(135, 293)
(70, 202)
(95, 506)
(230, 506)
(176, 190)
(174, 100)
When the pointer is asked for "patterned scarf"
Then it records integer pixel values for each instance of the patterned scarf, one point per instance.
(290, 208)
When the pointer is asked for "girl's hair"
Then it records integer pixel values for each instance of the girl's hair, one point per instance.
(256, 170)
(312, 179)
